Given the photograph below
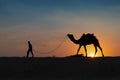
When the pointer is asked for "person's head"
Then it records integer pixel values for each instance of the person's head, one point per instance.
(28, 42)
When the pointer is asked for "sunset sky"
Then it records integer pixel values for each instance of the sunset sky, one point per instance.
(46, 22)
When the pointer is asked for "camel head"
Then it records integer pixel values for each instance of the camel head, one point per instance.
(70, 35)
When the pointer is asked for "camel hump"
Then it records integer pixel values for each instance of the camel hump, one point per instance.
(89, 34)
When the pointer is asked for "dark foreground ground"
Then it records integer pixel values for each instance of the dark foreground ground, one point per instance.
(69, 68)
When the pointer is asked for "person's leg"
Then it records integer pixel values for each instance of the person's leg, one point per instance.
(32, 53)
(28, 52)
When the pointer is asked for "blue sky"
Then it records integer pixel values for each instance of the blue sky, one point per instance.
(26, 11)
(46, 22)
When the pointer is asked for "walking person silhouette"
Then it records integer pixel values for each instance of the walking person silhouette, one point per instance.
(30, 49)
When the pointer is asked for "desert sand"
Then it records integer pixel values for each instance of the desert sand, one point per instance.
(60, 68)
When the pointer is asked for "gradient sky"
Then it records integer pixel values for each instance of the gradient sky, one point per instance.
(46, 22)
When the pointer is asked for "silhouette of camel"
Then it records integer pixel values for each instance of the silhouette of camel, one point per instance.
(86, 39)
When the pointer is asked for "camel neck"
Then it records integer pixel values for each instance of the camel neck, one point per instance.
(74, 40)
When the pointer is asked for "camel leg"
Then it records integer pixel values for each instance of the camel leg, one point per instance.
(85, 50)
(78, 49)
(95, 50)
(101, 50)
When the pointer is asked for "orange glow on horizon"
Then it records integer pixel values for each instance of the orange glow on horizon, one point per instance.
(91, 51)
(92, 54)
